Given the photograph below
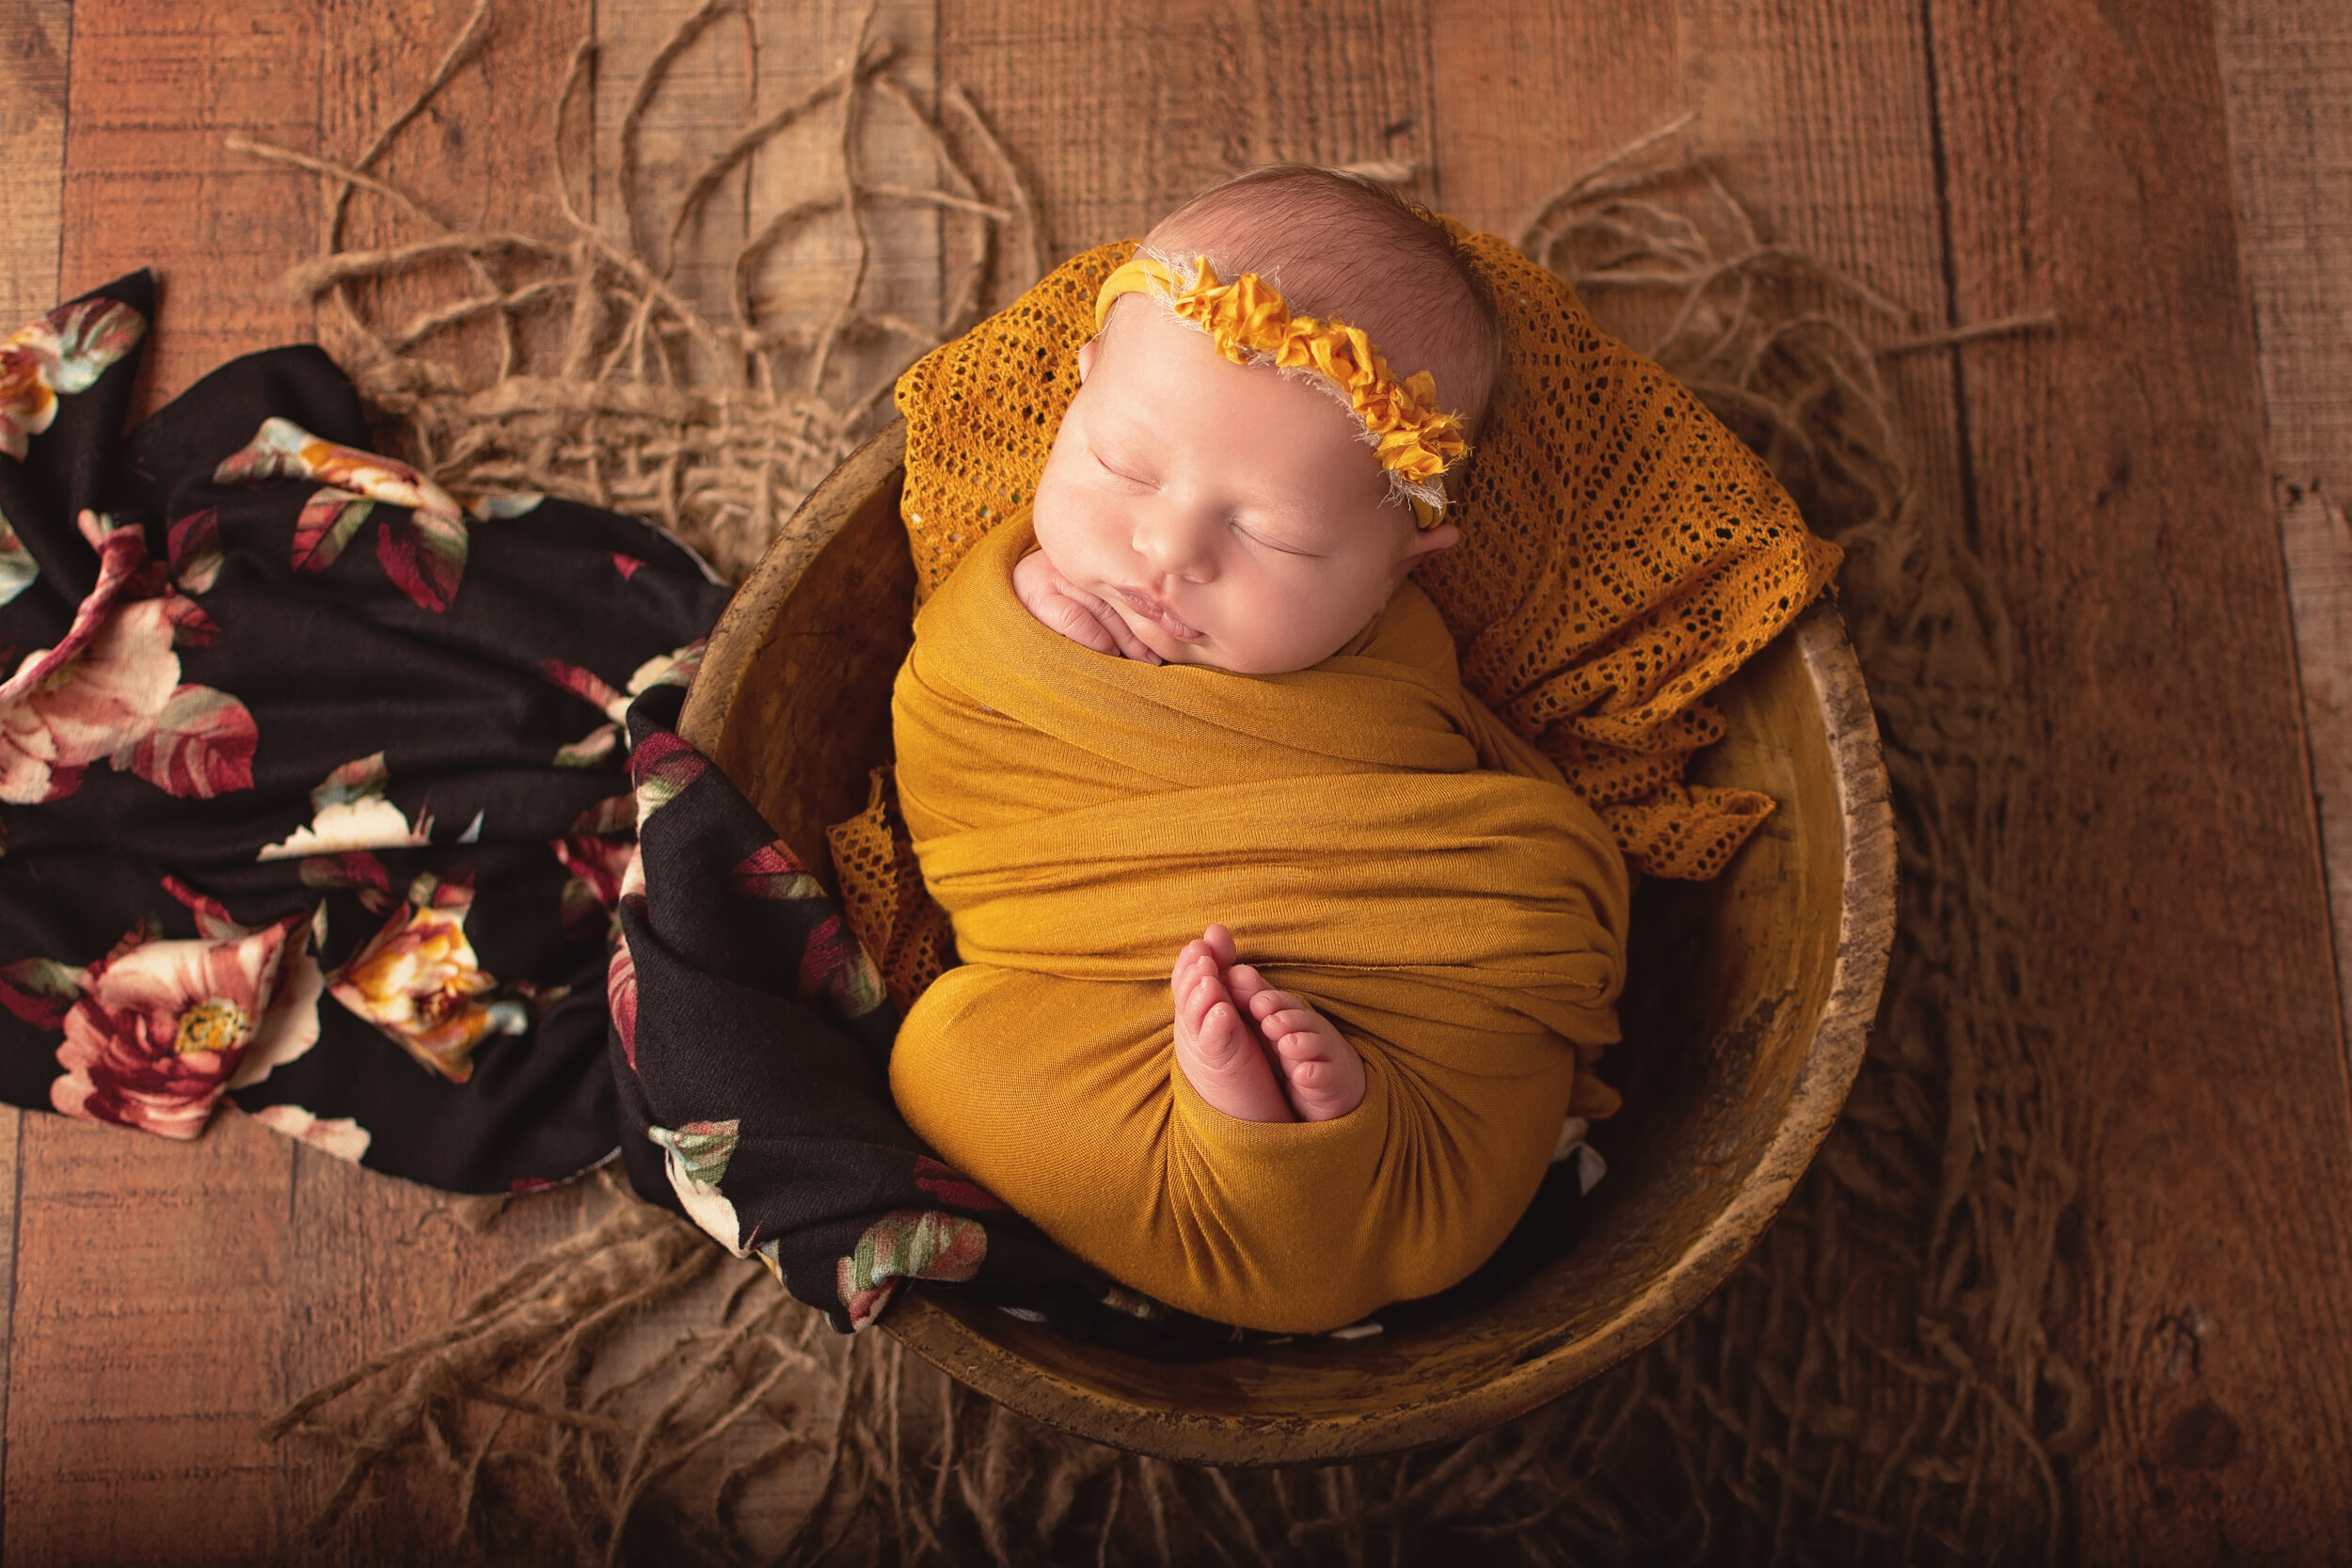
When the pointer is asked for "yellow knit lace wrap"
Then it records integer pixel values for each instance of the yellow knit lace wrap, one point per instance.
(1621, 552)
(1414, 439)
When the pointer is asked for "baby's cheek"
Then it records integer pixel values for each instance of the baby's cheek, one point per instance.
(1072, 530)
(1049, 519)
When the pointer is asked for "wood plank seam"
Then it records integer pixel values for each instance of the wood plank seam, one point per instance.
(1939, 163)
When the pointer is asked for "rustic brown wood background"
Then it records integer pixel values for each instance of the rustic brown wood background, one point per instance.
(2173, 178)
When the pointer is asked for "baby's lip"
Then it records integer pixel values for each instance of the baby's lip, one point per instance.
(1145, 605)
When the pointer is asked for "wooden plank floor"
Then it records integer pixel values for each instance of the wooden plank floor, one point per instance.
(2170, 180)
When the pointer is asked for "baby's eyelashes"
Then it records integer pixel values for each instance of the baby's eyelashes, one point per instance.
(1258, 536)
(1121, 474)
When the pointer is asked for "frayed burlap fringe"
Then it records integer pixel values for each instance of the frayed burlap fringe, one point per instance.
(1875, 1385)
(609, 385)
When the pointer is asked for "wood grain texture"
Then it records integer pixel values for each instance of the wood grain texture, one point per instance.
(1116, 114)
(147, 1344)
(481, 157)
(2118, 478)
(34, 40)
(2285, 69)
(1815, 118)
(2121, 492)
(371, 1262)
(809, 275)
(2317, 543)
(155, 89)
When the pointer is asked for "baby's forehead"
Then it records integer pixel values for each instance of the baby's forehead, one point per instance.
(1160, 398)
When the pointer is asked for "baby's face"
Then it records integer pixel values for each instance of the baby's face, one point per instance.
(1231, 516)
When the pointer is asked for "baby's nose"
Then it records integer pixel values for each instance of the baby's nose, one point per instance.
(1177, 542)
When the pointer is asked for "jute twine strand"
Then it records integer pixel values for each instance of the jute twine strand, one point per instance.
(636, 399)
(1876, 1382)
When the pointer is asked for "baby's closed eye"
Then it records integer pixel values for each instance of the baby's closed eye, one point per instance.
(1124, 472)
(1258, 535)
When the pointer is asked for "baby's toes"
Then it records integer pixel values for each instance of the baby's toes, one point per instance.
(1264, 1002)
(1298, 1032)
(1195, 990)
(1322, 1074)
(1219, 1042)
(1195, 960)
(1219, 1054)
(1312, 1080)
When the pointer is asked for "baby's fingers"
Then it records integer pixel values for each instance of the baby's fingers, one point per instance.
(1073, 620)
(1122, 635)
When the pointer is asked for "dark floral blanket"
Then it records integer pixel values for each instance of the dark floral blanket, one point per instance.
(311, 773)
(360, 804)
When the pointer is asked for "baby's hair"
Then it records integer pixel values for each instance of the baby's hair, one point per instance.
(1336, 243)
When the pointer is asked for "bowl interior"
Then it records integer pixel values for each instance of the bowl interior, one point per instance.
(1728, 1081)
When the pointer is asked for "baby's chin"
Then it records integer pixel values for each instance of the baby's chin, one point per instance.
(1210, 653)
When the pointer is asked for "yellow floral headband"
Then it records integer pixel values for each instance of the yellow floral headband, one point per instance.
(1414, 440)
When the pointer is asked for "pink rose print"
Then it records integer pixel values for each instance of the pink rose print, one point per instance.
(111, 691)
(341, 1136)
(161, 1026)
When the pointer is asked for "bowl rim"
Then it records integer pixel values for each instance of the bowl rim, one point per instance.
(940, 1329)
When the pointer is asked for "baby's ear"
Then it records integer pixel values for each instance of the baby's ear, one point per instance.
(1086, 359)
(1424, 544)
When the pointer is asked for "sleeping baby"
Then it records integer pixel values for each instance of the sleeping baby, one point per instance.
(1282, 955)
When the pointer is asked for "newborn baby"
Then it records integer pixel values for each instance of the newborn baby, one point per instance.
(1198, 510)
(1386, 847)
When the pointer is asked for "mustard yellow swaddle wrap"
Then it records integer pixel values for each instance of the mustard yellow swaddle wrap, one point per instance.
(1379, 842)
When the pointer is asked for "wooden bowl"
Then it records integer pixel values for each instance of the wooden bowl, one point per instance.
(1744, 1016)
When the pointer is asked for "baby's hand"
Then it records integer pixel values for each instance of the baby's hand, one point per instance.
(1060, 605)
(1254, 1053)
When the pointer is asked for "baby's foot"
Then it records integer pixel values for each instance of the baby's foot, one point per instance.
(1321, 1074)
(1217, 1048)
